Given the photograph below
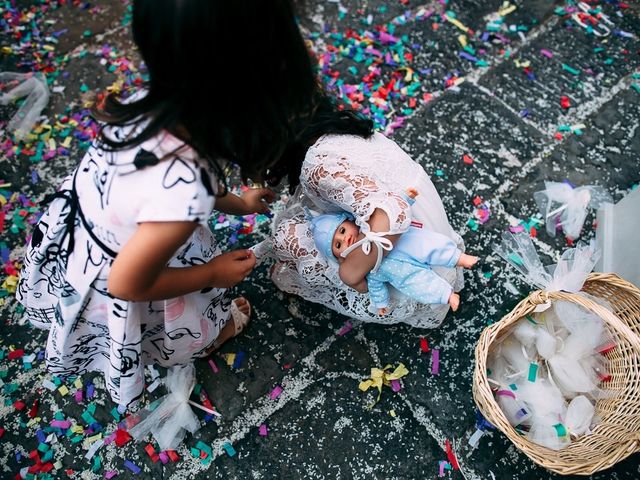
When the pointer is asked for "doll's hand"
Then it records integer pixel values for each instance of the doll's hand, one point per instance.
(382, 311)
(256, 200)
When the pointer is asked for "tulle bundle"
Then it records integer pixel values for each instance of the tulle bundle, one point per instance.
(549, 370)
(547, 374)
(565, 207)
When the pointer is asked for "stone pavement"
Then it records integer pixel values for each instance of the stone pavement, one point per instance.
(504, 117)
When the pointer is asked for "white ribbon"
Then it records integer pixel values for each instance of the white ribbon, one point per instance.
(376, 238)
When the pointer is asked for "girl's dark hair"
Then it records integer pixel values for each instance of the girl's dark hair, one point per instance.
(229, 77)
(327, 117)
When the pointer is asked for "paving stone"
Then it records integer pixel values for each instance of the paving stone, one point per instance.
(572, 46)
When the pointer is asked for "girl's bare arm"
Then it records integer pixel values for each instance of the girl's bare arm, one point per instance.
(140, 272)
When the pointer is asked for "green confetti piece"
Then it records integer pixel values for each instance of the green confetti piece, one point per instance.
(88, 418)
(569, 69)
(515, 258)
(86, 33)
(204, 447)
(195, 452)
(43, 447)
(513, 387)
(533, 371)
(97, 463)
(439, 173)
(530, 318)
(636, 87)
(560, 430)
(608, 61)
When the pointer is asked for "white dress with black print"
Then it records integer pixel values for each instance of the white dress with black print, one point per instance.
(63, 284)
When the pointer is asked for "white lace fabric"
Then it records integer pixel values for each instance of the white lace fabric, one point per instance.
(348, 173)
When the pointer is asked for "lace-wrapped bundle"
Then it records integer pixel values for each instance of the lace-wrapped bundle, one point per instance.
(356, 180)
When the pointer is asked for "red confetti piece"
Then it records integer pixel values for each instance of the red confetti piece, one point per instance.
(451, 456)
(467, 159)
(173, 455)
(19, 405)
(477, 201)
(122, 437)
(34, 409)
(1, 432)
(564, 102)
(16, 354)
(424, 346)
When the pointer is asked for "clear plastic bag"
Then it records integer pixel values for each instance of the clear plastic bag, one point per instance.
(170, 417)
(34, 87)
(568, 275)
(565, 207)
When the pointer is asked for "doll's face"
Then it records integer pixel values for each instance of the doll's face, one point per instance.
(346, 234)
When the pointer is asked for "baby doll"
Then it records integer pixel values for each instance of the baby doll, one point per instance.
(408, 265)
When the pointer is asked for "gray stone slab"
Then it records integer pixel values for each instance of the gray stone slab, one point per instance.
(570, 45)
(468, 123)
(606, 155)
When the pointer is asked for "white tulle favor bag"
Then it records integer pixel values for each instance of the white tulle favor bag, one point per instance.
(170, 417)
(565, 207)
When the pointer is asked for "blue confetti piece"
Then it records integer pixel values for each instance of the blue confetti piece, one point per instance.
(238, 361)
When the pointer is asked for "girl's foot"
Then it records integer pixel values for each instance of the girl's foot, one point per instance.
(454, 301)
(466, 261)
(240, 316)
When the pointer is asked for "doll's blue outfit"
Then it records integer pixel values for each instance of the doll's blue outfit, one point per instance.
(407, 267)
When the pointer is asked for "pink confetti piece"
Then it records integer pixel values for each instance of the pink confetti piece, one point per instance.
(60, 423)
(546, 53)
(396, 386)
(275, 393)
(213, 366)
(110, 474)
(263, 430)
(78, 396)
(441, 470)
(164, 458)
(345, 329)
(435, 361)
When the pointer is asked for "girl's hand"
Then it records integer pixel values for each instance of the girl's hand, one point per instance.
(230, 268)
(256, 200)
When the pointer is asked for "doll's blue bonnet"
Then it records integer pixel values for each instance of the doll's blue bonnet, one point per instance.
(323, 227)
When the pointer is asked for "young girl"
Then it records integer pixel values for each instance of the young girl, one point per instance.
(122, 268)
(408, 266)
(341, 165)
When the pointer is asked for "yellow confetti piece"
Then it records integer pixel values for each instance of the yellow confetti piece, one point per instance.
(380, 377)
(67, 142)
(57, 465)
(78, 383)
(49, 48)
(506, 9)
(89, 440)
(231, 357)
(392, 413)
(63, 390)
(7, 50)
(520, 64)
(457, 23)
(463, 40)
(52, 144)
(33, 421)
(77, 429)
(3, 200)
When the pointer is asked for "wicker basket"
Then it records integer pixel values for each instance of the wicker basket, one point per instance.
(618, 434)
